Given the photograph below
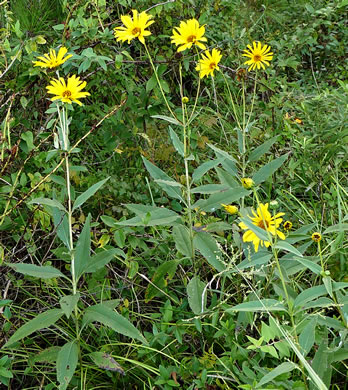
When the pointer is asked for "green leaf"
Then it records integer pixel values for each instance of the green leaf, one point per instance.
(61, 224)
(48, 355)
(307, 336)
(321, 365)
(209, 189)
(262, 149)
(68, 303)
(340, 227)
(261, 233)
(178, 145)
(41, 321)
(209, 249)
(101, 259)
(267, 170)
(66, 364)
(43, 272)
(204, 168)
(263, 305)
(106, 362)
(167, 118)
(196, 300)
(159, 280)
(214, 201)
(28, 138)
(182, 240)
(221, 153)
(310, 265)
(48, 202)
(285, 246)
(81, 199)
(158, 174)
(281, 369)
(257, 258)
(154, 216)
(101, 313)
(83, 249)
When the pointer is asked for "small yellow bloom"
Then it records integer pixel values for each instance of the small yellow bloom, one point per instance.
(185, 99)
(258, 56)
(264, 220)
(316, 236)
(189, 33)
(287, 225)
(247, 182)
(298, 121)
(67, 92)
(135, 28)
(51, 59)
(208, 63)
(230, 208)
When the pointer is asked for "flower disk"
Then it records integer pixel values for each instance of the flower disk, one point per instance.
(208, 63)
(135, 28)
(264, 220)
(52, 60)
(67, 92)
(258, 56)
(316, 237)
(189, 33)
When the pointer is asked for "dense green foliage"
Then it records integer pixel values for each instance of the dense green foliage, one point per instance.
(134, 276)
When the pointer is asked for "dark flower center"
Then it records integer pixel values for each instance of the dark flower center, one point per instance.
(212, 65)
(257, 58)
(262, 225)
(66, 94)
(191, 38)
(136, 31)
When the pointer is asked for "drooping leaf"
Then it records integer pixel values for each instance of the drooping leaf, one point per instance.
(66, 364)
(112, 319)
(284, 245)
(150, 216)
(196, 299)
(61, 224)
(81, 199)
(200, 171)
(307, 336)
(48, 202)
(157, 174)
(42, 272)
(106, 362)
(209, 249)
(167, 119)
(41, 321)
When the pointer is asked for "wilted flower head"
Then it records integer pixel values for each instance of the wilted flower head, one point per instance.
(52, 60)
(135, 28)
(247, 182)
(187, 34)
(316, 236)
(287, 225)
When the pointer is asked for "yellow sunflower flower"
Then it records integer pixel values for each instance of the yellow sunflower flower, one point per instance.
(264, 220)
(51, 59)
(67, 92)
(208, 63)
(189, 33)
(316, 237)
(259, 55)
(247, 183)
(135, 28)
(230, 208)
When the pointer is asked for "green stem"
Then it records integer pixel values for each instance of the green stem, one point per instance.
(159, 83)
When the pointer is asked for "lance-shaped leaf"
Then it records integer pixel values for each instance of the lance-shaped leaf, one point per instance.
(48, 202)
(81, 199)
(68, 303)
(101, 313)
(209, 248)
(42, 272)
(178, 145)
(197, 297)
(182, 240)
(260, 305)
(66, 364)
(41, 321)
(83, 249)
(267, 170)
(262, 149)
(106, 362)
(214, 201)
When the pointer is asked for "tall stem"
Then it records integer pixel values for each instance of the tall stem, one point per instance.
(159, 83)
